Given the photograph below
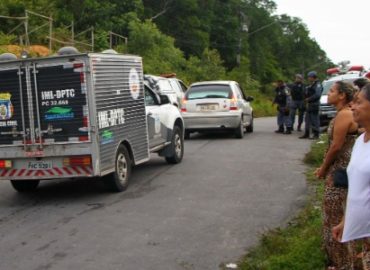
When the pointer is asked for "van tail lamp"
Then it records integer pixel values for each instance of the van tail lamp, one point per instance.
(77, 161)
(367, 75)
(85, 125)
(233, 104)
(5, 164)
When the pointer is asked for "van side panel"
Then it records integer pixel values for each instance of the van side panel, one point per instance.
(120, 107)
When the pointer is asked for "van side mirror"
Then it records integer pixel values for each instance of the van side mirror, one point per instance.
(164, 99)
(249, 98)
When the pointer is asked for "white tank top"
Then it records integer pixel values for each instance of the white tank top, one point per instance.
(357, 218)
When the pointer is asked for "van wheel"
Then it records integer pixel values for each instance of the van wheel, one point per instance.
(25, 185)
(239, 131)
(120, 179)
(176, 147)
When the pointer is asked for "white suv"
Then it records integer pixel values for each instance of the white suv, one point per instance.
(169, 85)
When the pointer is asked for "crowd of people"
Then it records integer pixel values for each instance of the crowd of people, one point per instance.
(300, 98)
(346, 164)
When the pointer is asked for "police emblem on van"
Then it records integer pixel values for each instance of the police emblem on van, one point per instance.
(6, 106)
(134, 83)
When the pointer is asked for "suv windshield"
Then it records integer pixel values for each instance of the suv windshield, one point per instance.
(209, 91)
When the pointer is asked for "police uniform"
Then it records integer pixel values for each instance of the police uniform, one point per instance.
(283, 100)
(312, 99)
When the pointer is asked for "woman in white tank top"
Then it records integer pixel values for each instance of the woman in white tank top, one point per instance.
(356, 222)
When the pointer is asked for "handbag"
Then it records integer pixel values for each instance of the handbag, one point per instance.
(340, 178)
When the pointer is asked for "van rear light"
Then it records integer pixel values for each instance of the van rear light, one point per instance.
(77, 161)
(83, 138)
(82, 77)
(85, 121)
(5, 164)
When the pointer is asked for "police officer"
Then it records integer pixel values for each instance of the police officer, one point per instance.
(312, 101)
(283, 100)
(297, 90)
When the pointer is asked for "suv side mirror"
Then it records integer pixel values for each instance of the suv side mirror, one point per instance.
(249, 98)
(164, 99)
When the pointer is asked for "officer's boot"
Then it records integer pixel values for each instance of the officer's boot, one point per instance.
(315, 135)
(306, 135)
(280, 129)
(288, 130)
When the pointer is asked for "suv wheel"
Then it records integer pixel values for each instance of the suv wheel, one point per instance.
(176, 147)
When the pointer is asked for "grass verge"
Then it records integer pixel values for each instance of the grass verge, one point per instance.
(298, 245)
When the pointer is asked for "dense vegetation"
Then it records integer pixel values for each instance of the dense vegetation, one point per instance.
(197, 39)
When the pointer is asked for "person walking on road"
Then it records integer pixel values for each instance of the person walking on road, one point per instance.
(356, 222)
(342, 132)
(283, 100)
(297, 92)
(312, 100)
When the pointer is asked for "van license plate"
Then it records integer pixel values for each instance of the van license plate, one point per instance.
(40, 165)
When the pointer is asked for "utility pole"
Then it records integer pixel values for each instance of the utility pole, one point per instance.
(243, 28)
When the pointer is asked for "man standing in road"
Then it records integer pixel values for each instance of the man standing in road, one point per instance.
(297, 92)
(312, 100)
(283, 100)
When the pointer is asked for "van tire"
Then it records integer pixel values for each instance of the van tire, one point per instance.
(119, 180)
(176, 147)
(25, 185)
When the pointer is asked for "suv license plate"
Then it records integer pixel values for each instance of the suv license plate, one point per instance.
(40, 165)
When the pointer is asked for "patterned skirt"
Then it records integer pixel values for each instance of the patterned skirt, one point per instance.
(340, 255)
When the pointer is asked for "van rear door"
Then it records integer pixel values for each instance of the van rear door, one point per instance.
(43, 104)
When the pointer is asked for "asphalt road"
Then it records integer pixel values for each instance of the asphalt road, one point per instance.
(196, 215)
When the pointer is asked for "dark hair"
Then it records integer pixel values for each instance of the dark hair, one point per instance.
(366, 91)
(347, 89)
(361, 82)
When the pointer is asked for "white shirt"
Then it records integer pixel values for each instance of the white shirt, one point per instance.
(357, 218)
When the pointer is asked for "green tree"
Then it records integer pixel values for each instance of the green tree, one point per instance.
(158, 50)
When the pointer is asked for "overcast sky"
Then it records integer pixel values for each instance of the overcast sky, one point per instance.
(340, 27)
